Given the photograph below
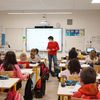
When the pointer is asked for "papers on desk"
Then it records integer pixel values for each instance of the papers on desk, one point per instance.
(42, 60)
(82, 61)
(7, 84)
(62, 65)
(64, 90)
(25, 71)
(98, 76)
(85, 65)
(67, 90)
(63, 61)
(34, 65)
(76, 87)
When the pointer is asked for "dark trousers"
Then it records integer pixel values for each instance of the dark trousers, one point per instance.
(54, 59)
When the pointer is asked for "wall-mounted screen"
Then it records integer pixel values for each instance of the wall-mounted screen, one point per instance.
(88, 50)
(38, 38)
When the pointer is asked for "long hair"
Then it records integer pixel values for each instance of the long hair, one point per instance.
(9, 61)
(74, 66)
(72, 54)
(93, 54)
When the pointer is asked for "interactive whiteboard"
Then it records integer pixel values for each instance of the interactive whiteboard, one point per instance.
(38, 38)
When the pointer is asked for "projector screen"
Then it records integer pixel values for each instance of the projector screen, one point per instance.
(38, 38)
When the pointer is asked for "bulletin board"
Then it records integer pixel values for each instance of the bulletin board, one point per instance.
(75, 38)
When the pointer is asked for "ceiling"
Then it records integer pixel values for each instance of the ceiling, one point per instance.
(47, 5)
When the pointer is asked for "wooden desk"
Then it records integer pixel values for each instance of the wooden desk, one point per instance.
(62, 65)
(63, 61)
(81, 57)
(44, 60)
(82, 61)
(8, 83)
(98, 77)
(66, 91)
(29, 71)
(85, 65)
(35, 67)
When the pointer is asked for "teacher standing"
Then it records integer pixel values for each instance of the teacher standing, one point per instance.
(52, 49)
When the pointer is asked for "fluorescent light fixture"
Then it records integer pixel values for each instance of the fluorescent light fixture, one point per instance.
(95, 1)
(24, 13)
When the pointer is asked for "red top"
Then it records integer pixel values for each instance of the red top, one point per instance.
(52, 47)
(24, 62)
(88, 92)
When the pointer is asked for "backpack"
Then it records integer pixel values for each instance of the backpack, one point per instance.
(39, 89)
(44, 71)
(13, 95)
(29, 91)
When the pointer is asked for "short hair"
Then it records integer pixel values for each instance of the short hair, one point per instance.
(74, 66)
(50, 38)
(32, 50)
(23, 55)
(37, 51)
(88, 75)
(32, 53)
(93, 54)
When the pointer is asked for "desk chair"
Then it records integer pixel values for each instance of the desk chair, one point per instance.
(73, 78)
(74, 98)
(97, 68)
(7, 73)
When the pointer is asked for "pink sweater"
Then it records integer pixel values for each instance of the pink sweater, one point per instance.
(17, 72)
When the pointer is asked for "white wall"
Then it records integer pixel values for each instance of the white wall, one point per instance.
(14, 25)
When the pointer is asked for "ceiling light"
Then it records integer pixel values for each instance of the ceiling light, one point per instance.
(95, 1)
(23, 13)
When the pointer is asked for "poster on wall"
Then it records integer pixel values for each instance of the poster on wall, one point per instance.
(75, 32)
(75, 38)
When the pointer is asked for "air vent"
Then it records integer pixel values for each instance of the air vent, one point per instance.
(69, 21)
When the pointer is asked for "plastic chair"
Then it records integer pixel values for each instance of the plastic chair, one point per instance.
(73, 78)
(7, 73)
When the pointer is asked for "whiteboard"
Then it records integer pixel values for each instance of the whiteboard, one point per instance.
(38, 38)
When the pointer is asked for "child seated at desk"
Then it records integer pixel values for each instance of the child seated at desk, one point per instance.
(37, 54)
(98, 62)
(72, 54)
(23, 60)
(33, 57)
(73, 69)
(92, 58)
(89, 88)
(10, 64)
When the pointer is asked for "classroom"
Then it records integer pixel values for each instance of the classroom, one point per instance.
(46, 41)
